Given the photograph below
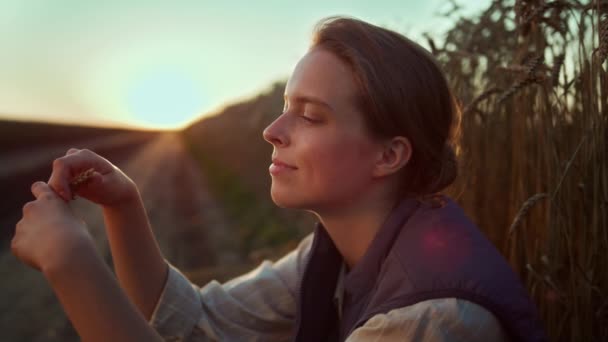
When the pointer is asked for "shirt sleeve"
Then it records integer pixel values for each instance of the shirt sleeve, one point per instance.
(257, 306)
(444, 320)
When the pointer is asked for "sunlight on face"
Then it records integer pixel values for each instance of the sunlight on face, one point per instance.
(165, 99)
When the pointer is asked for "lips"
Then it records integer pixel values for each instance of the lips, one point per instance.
(279, 167)
(280, 163)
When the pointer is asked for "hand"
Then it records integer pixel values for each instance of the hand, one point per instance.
(109, 186)
(48, 233)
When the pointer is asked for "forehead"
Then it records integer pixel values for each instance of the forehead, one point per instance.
(320, 74)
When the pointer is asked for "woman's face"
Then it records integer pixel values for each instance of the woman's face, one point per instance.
(322, 138)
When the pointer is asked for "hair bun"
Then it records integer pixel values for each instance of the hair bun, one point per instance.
(446, 170)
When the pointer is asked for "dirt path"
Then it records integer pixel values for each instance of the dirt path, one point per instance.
(187, 222)
(18, 162)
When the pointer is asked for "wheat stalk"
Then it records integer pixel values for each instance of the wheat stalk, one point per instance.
(555, 69)
(568, 224)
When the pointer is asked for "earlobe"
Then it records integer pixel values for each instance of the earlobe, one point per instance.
(394, 155)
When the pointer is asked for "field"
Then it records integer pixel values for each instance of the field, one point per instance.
(532, 80)
(535, 143)
(184, 216)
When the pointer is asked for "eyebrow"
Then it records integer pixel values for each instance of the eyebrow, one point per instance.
(310, 99)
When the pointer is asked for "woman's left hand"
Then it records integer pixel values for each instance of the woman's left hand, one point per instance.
(48, 233)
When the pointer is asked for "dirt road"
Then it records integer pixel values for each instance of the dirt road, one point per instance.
(188, 223)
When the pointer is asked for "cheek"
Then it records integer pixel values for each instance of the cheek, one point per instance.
(339, 162)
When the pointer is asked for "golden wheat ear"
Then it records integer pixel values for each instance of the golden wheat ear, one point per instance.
(80, 179)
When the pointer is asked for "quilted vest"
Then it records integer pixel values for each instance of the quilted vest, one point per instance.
(421, 252)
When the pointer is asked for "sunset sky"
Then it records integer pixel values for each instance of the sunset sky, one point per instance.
(162, 64)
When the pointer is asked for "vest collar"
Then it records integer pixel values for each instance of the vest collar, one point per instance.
(317, 316)
(362, 277)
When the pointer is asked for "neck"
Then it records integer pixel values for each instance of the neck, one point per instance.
(353, 227)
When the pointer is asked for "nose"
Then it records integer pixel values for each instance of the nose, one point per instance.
(275, 133)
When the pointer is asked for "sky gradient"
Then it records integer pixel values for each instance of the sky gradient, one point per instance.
(162, 64)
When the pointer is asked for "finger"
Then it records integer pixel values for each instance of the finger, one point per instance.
(42, 190)
(27, 207)
(71, 151)
(67, 167)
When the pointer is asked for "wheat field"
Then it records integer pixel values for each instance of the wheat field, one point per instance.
(533, 83)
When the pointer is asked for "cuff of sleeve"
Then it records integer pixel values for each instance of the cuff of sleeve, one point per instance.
(178, 307)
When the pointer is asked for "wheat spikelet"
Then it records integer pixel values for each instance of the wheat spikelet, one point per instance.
(81, 179)
(529, 203)
(512, 90)
(555, 20)
(602, 51)
(537, 12)
(515, 88)
(533, 64)
(530, 77)
(486, 94)
(526, 16)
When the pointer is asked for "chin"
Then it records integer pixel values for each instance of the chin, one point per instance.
(283, 201)
(286, 199)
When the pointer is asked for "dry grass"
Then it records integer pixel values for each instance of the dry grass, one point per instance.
(81, 178)
(544, 134)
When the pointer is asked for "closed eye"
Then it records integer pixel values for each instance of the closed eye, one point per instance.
(301, 116)
(307, 118)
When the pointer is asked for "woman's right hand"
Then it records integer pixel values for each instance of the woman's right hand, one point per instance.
(108, 186)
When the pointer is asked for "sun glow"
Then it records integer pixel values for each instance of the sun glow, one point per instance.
(165, 99)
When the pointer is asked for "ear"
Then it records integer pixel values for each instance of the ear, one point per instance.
(393, 155)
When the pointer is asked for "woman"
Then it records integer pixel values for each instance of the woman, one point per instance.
(366, 142)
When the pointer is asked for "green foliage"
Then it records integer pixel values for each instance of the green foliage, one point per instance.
(255, 221)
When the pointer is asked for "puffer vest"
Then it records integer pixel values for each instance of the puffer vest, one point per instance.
(421, 252)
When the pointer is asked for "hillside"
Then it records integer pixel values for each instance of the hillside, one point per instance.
(28, 149)
(234, 156)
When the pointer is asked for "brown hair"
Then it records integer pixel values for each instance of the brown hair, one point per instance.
(402, 92)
